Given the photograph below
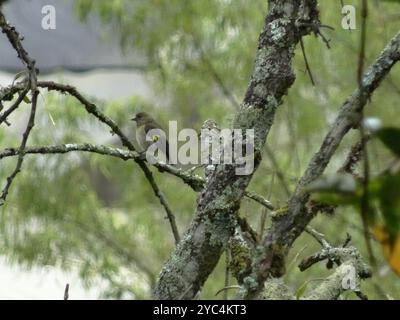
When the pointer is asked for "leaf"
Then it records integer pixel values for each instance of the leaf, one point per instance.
(300, 291)
(390, 204)
(391, 250)
(388, 233)
(390, 138)
(27, 100)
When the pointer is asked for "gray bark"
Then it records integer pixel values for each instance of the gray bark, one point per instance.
(287, 227)
(215, 219)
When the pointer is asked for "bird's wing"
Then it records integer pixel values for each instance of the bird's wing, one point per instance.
(151, 126)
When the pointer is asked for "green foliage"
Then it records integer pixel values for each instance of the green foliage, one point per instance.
(391, 138)
(389, 197)
(383, 190)
(98, 215)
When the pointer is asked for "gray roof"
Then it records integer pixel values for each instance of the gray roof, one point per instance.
(72, 45)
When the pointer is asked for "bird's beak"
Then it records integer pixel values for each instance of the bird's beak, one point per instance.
(134, 118)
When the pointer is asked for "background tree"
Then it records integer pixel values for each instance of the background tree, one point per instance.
(90, 213)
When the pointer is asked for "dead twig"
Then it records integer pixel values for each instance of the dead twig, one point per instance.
(66, 292)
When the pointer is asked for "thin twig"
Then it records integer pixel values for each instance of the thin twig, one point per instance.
(352, 159)
(365, 196)
(292, 225)
(194, 181)
(227, 288)
(14, 106)
(295, 258)
(92, 109)
(361, 57)
(306, 62)
(21, 149)
(318, 236)
(316, 28)
(15, 40)
(218, 79)
(361, 295)
(338, 255)
(347, 240)
(278, 170)
(230, 96)
(66, 292)
(259, 199)
(263, 220)
(125, 254)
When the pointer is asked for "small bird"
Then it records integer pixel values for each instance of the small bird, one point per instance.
(144, 124)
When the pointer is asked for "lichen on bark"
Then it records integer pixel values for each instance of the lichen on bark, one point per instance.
(219, 202)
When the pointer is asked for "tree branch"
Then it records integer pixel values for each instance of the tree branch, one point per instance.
(215, 219)
(365, 207)
(286, 228)
(14, 106)
(194, 181)
(91, 108)
(21, 149)
(15, 41)
(351, 268)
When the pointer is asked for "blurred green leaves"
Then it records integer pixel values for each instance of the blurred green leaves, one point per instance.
(391, 139)
(99, 216)
(383, 194)
(389, 198)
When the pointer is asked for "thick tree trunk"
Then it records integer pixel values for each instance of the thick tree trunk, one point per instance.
(215, 219)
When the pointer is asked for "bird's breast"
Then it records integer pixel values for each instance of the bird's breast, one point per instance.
(141, 138)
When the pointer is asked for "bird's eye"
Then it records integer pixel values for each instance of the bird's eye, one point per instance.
(155, 138)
